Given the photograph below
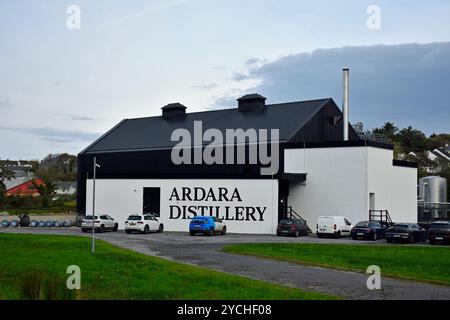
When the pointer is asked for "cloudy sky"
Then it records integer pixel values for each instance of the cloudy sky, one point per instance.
(60, 88)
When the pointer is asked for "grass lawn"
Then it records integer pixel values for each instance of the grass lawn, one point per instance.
(429, 264)
(34, 266)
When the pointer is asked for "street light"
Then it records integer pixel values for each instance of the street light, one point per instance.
(93, 205)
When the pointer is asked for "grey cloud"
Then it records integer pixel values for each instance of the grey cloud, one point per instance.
(238, 76)
(208, 86)
(75, 117)
(405, 83)
(251, 61)
(56, 135)
(5, 104)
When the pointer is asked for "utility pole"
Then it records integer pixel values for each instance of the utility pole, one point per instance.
(93, 205)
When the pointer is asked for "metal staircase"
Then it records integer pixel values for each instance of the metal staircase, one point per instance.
(382, 216)
(292, 214)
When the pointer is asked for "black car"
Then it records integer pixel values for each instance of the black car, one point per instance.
(368, 230)
(410, 232)
(439, 232)
(292, 227)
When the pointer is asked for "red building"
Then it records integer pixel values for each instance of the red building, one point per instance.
(26, 188)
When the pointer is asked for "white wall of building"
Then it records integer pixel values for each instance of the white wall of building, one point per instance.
(122, 197)
(339, 181)
(395, 187)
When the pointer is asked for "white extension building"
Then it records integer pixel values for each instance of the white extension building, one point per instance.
(316, 171)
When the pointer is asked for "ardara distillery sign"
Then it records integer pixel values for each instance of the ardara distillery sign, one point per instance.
(221, 202)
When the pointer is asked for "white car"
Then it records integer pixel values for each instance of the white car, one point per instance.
(101, 223)
(143, 223)
(333, 226)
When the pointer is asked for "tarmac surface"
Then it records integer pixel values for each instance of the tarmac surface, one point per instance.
(207, 252)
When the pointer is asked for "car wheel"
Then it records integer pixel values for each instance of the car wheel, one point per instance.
(116, 227)
(319, 235)
(389, 240)
(84, 230)
(211, 232)
(411, 239)
(101, 229)
(146, 229)
(354, 238)
(161, 228)
(432, 242)
(278, 234)
(128, 231)
(339, 235)
(191, 233)
(224, 231)
(374, 237)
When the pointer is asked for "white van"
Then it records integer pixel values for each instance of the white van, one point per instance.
(333, 226)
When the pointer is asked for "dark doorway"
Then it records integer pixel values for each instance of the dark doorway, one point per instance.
(283, 193)
(152, 201)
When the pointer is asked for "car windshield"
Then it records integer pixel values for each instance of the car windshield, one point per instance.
(90, 217)
(199, 220)
(287, 221)
(440, 226)
(134, 218)
(363, 224)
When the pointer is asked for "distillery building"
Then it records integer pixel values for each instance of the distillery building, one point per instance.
(298, 159)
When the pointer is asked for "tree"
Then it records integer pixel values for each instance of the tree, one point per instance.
(411, 139)
(389, 130)
(46, 191)
(5, 174)
(436, 141)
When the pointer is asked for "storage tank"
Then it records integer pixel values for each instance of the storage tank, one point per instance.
(433, 189)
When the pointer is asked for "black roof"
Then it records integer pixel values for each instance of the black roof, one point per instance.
(155, 132)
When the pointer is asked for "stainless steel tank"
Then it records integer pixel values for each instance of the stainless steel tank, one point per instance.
(433, 189)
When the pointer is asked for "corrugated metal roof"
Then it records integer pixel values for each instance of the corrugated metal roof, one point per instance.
(155, 132)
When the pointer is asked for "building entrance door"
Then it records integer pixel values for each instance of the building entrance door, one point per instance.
(152, 201)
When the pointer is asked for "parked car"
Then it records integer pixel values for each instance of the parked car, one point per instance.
(5, 223)
(101, 223)
(410, 232)
(439, 232)
(143, 223)
(207, 225)
(79, 219)
(368, 230)
(292, 227)
(333, 226)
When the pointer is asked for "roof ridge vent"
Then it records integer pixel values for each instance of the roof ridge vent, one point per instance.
(173, 110)
(251, 102)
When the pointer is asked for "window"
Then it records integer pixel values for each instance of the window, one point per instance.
(347, 222)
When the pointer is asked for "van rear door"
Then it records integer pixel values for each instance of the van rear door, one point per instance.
(326, 225)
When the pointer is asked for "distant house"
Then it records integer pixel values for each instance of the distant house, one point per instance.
(23, 187)
(66, 188)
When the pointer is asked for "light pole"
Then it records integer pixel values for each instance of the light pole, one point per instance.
(93, 205)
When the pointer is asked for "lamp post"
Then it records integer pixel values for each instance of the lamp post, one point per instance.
(93, 205)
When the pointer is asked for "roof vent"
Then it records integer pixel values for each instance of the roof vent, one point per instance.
(173, 110)
(251, 102)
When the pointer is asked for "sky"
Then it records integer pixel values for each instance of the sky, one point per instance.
(63, 87)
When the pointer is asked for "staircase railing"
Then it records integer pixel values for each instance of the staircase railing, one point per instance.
(292, 214)
(382, 216)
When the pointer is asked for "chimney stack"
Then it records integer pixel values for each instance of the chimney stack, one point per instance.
(345, 98)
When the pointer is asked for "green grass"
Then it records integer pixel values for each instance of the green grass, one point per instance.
(34, 266)
(428, 264)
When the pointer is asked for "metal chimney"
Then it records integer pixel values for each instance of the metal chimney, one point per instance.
(345, 77)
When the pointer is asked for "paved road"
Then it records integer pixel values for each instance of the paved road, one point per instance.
(206, 252)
